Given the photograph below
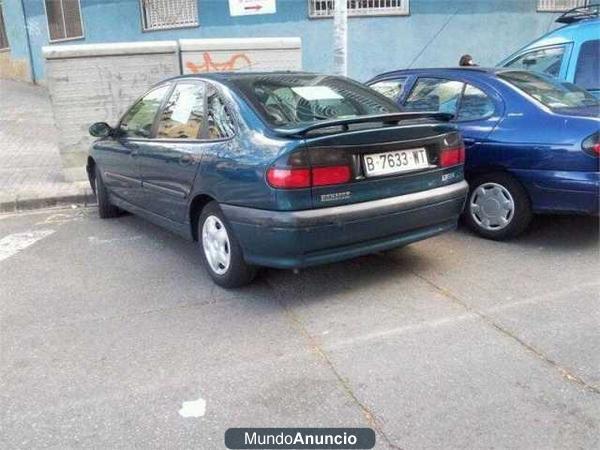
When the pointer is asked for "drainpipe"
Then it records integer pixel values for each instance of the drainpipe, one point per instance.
(340, 37)
(31, 70)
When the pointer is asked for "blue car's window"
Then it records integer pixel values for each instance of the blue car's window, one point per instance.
(219, 121)
(434, 94)
(545, 60)
(555, 94)
(183, 115)
(287, 100)
(138, 121)
(390, 88)
(475, 104)
(587, 72)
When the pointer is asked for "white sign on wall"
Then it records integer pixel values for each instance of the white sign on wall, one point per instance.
(251, 7)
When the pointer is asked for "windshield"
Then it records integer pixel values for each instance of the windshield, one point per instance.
(288, 100)
(556, 95)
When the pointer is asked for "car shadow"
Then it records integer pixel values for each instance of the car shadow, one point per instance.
(312, 283)
(379, 271)
(560, 232)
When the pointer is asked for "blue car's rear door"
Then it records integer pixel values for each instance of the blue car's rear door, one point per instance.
(479, 112)
(477, 109)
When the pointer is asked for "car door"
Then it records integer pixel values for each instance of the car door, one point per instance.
(476, 113)
(119, 154)
(479, 112)
(169, 161)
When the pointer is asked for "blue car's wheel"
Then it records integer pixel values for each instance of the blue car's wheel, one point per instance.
(220, 250)
(498, 206)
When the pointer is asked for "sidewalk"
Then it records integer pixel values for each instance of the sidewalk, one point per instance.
(30, 166)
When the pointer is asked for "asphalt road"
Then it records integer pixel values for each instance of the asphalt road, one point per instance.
(108, 327)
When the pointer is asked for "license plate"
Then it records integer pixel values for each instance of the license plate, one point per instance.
(395, 162)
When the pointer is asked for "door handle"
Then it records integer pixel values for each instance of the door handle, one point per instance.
(186, 159)
(135, 149)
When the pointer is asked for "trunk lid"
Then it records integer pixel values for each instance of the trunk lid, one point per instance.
(362, 145)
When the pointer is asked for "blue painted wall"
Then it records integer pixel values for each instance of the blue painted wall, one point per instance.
(436, 33)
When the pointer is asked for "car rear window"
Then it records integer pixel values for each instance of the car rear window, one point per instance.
(556, 95)
(288, 100)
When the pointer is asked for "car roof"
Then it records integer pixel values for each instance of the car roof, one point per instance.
(224, 77)
(582, 30)
(474, 71)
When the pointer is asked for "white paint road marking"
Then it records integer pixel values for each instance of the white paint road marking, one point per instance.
(195, 408)
(95, 240)
(13, 243)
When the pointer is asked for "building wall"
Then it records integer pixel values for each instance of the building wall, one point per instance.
(436, 33)
(14, 64)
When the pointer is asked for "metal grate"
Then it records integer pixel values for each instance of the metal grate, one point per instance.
(324, 8)
(560, 5)
(3, 39)
(165, 14)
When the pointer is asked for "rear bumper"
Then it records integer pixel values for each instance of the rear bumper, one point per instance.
(554, 191)
(294, 239)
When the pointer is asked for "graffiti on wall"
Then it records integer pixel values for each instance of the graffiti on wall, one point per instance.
(237, 61)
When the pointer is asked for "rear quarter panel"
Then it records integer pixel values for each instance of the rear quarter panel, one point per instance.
(530, 136)
(233, 171)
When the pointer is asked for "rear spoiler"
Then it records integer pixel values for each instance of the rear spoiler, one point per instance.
(388, 119)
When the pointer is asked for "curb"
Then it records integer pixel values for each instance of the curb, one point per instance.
(21, 204)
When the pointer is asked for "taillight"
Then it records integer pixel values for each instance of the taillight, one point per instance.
(325, 176)
(452, 156)
(591, 145)
(288, 178)
(293, 171)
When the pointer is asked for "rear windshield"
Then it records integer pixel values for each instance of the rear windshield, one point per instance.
(556, 95)
(288, 100)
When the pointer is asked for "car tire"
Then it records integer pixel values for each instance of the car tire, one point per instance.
(220, 251)
(106, 209)
(497, 207)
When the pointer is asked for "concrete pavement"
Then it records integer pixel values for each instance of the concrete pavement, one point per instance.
(30, 166)
(107, 327)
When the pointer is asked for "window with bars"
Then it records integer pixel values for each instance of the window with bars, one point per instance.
(3, 39)
(165, 14)
(560, 5)
(324, 8)
(64, 19)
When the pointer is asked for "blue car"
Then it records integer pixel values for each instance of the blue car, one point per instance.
(284, 170)
(570, 53)
(532, 142)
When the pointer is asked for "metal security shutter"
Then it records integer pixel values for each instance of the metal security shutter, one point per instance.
(165, 14)
(560, 5)
(324, 8)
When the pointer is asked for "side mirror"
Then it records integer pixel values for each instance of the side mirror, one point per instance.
(100, 130)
